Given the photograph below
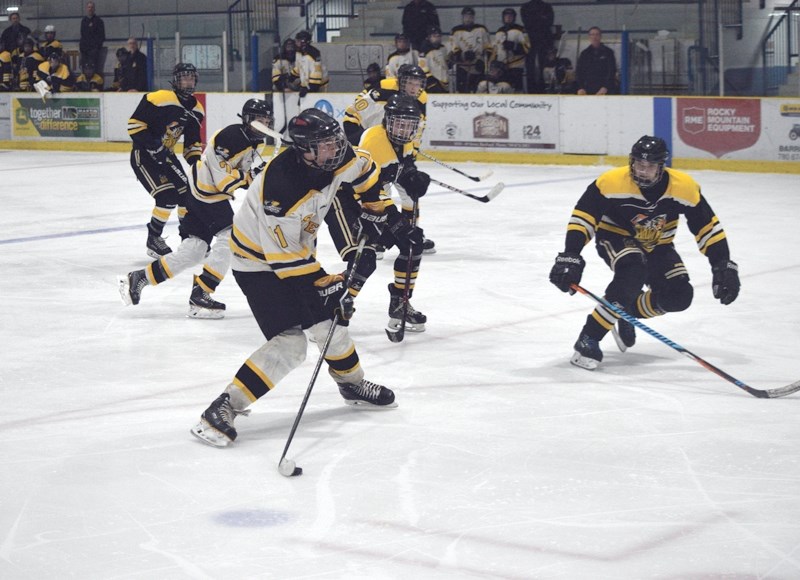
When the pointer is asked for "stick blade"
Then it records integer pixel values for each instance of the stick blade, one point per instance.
(495, 191)
(783, 391)
(485, 176)
(288, 468)
(396, 335)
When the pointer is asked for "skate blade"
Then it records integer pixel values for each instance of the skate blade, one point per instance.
(210, 436)
(207, 313)
(429, 251)
(124, 290)
(155, 255)
(584, 362)
(618, 339)
(372, 406)
(395, 323)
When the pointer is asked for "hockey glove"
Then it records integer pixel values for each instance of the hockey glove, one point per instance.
(330, 288)
(254, 171)
(159, 154)
(725, 283)
(469, 56)
(371, 221)
(508, 45)
(303, 91)
(402, 229)
(567, 270)
(415, 182)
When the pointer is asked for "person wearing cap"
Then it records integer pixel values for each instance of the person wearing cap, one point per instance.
(418, 17)
(50, 41)
(403, 54)
(470, 42)
(433, 60)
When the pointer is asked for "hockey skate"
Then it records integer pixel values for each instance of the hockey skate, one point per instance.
(624, 334)
(156, 246)
(367, 394)
(216, 423)
(415, 320)
(428, 246)
(131, 285)
(202, 305)
(587, 353)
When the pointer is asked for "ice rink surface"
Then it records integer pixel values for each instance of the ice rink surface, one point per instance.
(502, 460)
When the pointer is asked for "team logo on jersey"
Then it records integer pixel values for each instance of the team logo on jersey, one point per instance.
(649, 230)
(222, 152)
(311, 225)
(272, 207)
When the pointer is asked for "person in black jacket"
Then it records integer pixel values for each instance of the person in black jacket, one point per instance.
(596, 73)
(537, 18)
(134, 71)
(418, 18)
(13, 31)
(93, 35)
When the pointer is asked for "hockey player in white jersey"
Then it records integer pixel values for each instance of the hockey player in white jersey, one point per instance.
(275, 264)
(229, 162)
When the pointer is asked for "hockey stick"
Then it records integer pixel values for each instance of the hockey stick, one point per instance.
(761, 394)
(271, 133)
(494, 192)
(451, 168)
(399, 334)
(287, 467)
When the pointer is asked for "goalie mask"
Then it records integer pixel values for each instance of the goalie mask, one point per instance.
(319, 139)
(647, 159)
(184, 79)
(256, 110)
(401, 119)
(411, 80)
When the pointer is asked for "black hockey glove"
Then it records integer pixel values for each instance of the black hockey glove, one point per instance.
(415, 182)
(508, 45)
(371, 221)
(303, 91)
(255, 170)
(159, 154)
(725, 283)
(331, 290)
(567, 270)
(402, 229)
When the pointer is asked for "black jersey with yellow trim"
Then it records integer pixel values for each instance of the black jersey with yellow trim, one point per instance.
(613, 205)
(162, 118)
(386, 155)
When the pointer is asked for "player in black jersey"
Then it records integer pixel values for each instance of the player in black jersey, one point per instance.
(155, 127)
(228, 164)
(633, 212)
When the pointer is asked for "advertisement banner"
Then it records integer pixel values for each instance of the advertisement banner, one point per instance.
(518, 123)
(60, 118)
(719, 126)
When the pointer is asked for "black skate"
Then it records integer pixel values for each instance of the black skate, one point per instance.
(587, 353)
(624, 334)
(156, 246)
(202, 305)
(428, 246)
(367, 394)
(131, 285)
(216, 423)
(415, 320)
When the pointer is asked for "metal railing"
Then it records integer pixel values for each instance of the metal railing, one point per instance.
(325, 16)
(779, 49)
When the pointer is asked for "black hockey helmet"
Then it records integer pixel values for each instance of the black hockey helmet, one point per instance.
(374, 67)
(184, 79)
(55, 54)
(303, 39)
(256, 110)
(315, 132)
(468, 10)
(651, 150)
(401, 118)
(410, 72)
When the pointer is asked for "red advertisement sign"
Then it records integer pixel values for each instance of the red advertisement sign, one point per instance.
(719, 126)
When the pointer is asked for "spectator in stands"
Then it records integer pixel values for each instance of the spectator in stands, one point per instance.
(18, 61)
(537, 18)
(5, 68)
(50, 41)
(418, 18)
(89, 80)
(597, 67)
(403, 54)
(134, 73)
(496, 82)
(471, 44)
(510, 47)
(122, 59)
(309, 68)
(10, 35)
(93, 35)
(433, 60)
(559, 76)
(374, 77)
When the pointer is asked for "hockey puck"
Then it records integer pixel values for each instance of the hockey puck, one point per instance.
(288, 468)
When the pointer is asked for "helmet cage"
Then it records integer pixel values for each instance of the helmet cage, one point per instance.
(185, 79)
(337, 142)
(402, 128)
(647, 153)
(408, 74)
